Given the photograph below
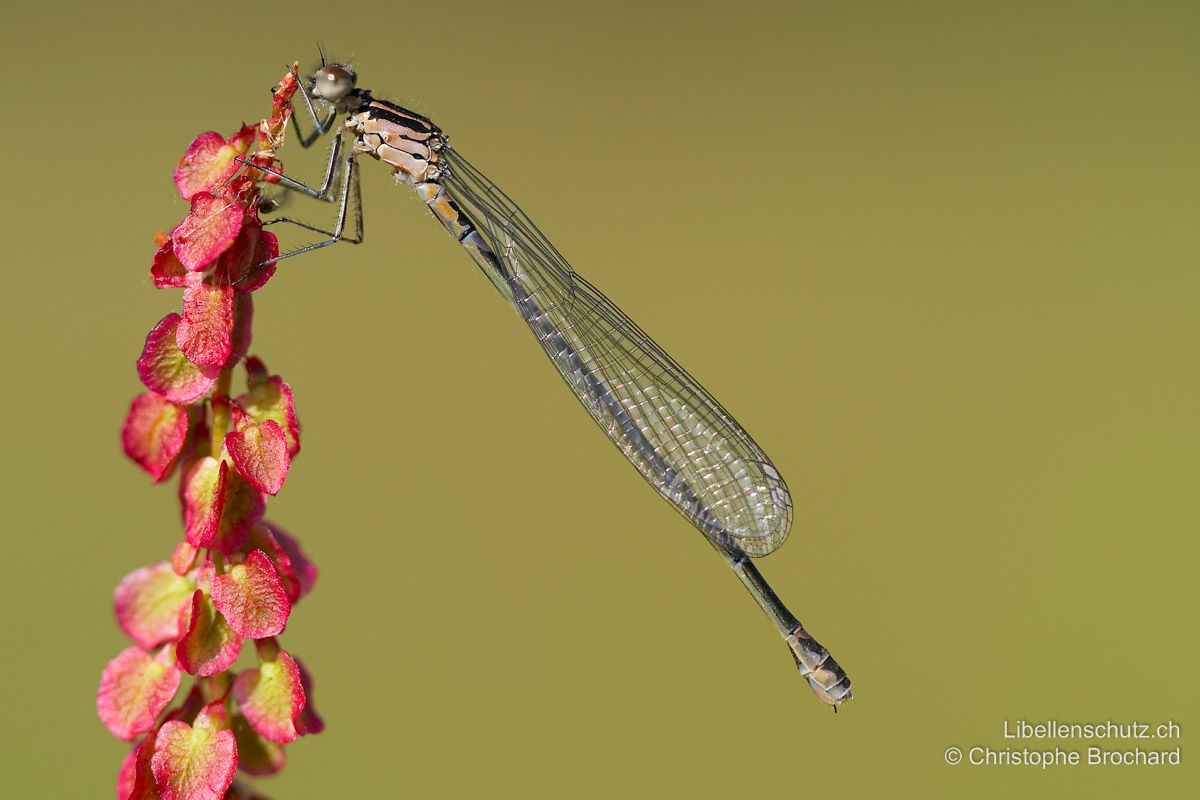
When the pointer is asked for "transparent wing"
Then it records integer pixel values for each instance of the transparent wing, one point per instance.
(682, 441)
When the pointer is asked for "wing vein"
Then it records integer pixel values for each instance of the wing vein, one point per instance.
(682, 441)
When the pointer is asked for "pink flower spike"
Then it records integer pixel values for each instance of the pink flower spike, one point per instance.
(210, 161)
(251, 598)
(271, 697)
(193, 763)
(148, 601)
(205, 334)
(260, 453)
(134, 689)
(167, 272)
(208, 645)
(244, 506)
(204, 500)
(235, 577)
(208, 230)
(256, 755)
(154, 433)
(167, 371)
(272, 399)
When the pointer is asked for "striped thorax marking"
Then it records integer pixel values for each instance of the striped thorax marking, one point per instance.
(401, 138)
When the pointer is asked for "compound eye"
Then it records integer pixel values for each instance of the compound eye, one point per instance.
(333, 82)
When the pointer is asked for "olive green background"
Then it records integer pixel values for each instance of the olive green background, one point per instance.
(938, 258)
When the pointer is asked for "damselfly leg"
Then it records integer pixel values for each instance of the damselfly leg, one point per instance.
(350, 188)
(300, 186)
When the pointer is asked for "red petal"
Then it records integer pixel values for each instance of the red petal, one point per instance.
(239, 258)
(218, 686)
(166, 270)
(239, 792)
(256, 755)
(207, 231)
(214, 717)
(309, 721)
(272, 697)
(251, 598)
(262, 538)
(138, 782)
(134, 688)
(193, 701)
(272, 399)
(205, 332)
(183, 557)
(167, 371)
(205, 574)
(147, 603)
(260, 453)
(210, 161)
(244, 137)
(242, 320)
(266, 248)
(244, 507)
(256, 372)
(209, 645)
(191, 173)
(298, 571)
(204, 500)
(193, 763)
(154, 433)
(127, 775)
(281, 107)
(238, 417)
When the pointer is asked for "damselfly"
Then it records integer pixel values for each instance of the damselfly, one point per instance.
(682, 441)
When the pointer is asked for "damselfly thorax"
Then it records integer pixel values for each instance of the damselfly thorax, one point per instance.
(407, 141)
(412, 146)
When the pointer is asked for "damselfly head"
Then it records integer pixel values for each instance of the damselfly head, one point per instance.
(332, 82)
